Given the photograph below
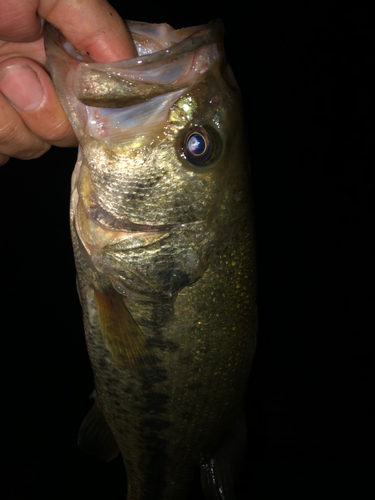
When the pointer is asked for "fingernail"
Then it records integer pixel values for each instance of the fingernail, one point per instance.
(21, 86)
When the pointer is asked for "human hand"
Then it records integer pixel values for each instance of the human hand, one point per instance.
(31, 117)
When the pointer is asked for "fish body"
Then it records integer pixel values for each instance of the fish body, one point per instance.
(163, 240)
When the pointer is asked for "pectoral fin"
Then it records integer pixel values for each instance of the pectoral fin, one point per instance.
(122, 336)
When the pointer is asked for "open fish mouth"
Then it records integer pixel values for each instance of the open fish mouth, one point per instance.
(168, 60)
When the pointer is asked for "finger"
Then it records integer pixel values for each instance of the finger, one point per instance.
(33, 50)
(20, 21)
(92, 26)
(31, 110)
(15, 138)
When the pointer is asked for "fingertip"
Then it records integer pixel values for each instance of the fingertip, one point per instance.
(61, 134)
(20, 84)
(93, 27)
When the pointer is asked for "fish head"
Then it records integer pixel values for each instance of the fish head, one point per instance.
(160, 178)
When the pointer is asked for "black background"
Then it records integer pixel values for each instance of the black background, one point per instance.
(305, 71)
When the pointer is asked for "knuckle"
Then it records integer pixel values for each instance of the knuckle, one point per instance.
(17, 141)
(3, 159)
(60, 131)
(35, 152)
(8, 132)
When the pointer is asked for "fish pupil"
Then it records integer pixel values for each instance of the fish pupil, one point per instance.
(196, 144)
(198, 147)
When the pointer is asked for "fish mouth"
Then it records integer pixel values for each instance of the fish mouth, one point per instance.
(155, 71)
(149, 75)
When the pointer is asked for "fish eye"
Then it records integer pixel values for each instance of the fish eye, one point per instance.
(198, 146)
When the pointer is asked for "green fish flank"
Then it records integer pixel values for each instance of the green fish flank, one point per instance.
(163, 238)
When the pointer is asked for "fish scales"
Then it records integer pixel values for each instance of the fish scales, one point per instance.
(164, 249)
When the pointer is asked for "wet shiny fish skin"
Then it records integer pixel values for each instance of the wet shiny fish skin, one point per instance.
(164, 250)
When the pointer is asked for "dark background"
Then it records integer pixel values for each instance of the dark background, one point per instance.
(304, 69)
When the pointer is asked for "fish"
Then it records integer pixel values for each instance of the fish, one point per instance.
(162, 227)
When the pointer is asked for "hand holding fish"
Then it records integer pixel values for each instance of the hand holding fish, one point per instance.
(31, 117)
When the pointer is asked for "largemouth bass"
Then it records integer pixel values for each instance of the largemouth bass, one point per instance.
(163, 241)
